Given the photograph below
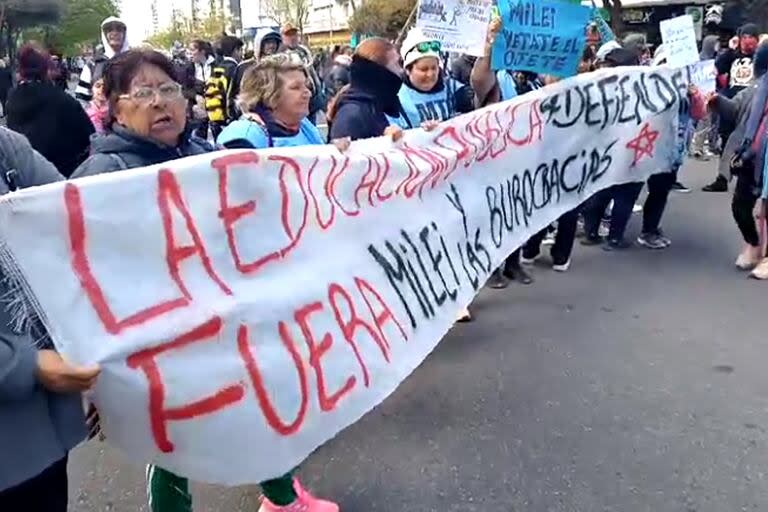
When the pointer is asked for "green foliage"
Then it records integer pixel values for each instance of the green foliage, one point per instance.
(17, 14)
(184, 29)
(79, 25)
(384, 18)
(295, 12)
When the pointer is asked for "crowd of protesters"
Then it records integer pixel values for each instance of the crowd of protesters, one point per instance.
(138, 107)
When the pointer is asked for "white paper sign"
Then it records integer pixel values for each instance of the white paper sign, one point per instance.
(460, 25)
(679, 39)
(246, 306)
(704, 76)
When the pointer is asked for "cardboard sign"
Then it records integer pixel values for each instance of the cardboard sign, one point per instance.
(246, 306)
(460, 25)
(679, 39)
(542, 36)
(703, 75)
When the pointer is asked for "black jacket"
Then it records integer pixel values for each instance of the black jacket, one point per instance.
(336, 78)
(358, 116)
(54, 122)
(6, 82)
(122, 149)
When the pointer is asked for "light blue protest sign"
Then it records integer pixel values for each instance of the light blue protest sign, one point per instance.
(542, 36)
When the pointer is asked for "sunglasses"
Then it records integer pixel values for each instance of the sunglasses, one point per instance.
(114, 27)
(429, 46)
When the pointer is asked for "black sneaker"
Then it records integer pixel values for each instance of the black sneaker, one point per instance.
(591, 240)
(719, 185)
(679, 187)
(652, 241)
(617, 245)
(497, 281)
(519, 274)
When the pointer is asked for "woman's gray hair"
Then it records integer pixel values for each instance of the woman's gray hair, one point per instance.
(263, 82)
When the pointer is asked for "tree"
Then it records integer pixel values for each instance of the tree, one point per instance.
(385, 18)
(79, 25)
(185, 29)
(295, 12)
(614, 8)
(16, 15)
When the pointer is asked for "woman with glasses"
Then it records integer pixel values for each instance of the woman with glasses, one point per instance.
(147, 122)
(147, 126)
(427, 93)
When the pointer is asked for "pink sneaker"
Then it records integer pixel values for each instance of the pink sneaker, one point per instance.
(305, 502)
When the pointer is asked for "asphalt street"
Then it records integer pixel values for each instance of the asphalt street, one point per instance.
(635, 382)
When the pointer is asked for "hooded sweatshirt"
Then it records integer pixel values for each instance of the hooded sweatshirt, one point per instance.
(737, 111)
(83, 90)
(37, 428)
(338, 75)
(258, 43)
(709, 47)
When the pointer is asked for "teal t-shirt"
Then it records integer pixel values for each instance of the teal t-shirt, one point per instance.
(424, 106)
(258, 137)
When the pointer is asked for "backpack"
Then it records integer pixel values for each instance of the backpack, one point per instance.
(216, 88)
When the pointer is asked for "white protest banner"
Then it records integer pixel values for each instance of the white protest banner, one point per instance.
(703, 75)
(460, 25)
(679, 39)
(246, 306)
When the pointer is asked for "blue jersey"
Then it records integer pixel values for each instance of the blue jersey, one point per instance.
(424, 106)
(507, 85)
(258, 137)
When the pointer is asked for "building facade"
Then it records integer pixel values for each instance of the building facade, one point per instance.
(328, 23)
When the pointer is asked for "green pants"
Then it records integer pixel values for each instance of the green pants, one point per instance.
(170, 493)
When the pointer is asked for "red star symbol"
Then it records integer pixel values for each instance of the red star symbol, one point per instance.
(644, 144)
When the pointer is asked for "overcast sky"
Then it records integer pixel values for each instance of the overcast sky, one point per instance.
(136, 14)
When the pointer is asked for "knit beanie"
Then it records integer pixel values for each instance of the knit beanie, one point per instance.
(750, 29)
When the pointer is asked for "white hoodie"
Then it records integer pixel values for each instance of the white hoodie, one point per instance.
(83, 90)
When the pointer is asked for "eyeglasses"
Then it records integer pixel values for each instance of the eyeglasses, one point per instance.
(145, 95)
(429, 46)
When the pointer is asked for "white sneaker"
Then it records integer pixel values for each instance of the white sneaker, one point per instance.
(638, 208)
(761, 271)
(464, 316)
(749, 258)
(562, 268)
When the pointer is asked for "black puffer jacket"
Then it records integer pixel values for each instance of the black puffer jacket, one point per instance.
(53, 122)
(122, 149)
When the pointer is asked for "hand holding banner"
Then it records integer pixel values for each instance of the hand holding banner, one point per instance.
(246, 306)
(546, 36)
